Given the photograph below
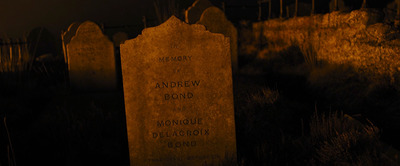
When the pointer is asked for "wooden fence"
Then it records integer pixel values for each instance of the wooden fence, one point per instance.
(14, 56)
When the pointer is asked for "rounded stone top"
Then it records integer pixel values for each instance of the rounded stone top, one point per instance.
(89, 27)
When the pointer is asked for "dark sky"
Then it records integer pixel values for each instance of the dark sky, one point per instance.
(18, 17)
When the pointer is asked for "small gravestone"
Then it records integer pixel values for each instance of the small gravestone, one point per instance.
(41, 41)
(193, 13)
(66, 38)
(91, 60)
(215, 21)
(177, 83)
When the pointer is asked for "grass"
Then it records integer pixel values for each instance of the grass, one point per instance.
(327, 138)
(20, 70)
(276, 123)
(10, 150)
(339, 139)
(283, 116)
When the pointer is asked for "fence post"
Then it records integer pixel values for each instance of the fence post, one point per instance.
(364, 4)
(269, 9)
(259, 10)
(281, 9)
(287, 12)
(312, 7)
(19, 50)
(144, 21)
(1, 55)
(296, 5)
(335, 5)
(397, 18)
(10, 47)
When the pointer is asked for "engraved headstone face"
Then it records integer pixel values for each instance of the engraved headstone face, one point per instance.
(177, 83)
(215, 21)
(193, 13)
(91, 60)
(67, 36)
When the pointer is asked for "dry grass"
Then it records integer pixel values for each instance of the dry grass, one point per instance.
(341, 140)
(309, 53)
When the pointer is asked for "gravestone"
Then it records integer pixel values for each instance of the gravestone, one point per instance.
(91, 60)
(66, 38)
(193, 13)
(215, 21)
(41, 41)
(177, 83)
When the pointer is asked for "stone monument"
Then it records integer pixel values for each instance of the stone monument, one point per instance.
(215, 21)
(193, 13)
(91, 60)
(177, 82)
(66, 38)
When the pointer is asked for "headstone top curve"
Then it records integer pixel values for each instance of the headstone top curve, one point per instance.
(88, 26)
(173, 21)
(214, 11)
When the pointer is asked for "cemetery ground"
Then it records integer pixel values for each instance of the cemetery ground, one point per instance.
(287, 111)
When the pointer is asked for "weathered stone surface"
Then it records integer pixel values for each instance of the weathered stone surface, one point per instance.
(66, 38)
(91, 60)
(194, 12)
(215, 21)
(177, 83)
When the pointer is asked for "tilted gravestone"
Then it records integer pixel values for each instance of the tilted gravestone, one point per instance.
(66, 38)
(215, 21)
(91, 60)
(177, 83)
(193, 13)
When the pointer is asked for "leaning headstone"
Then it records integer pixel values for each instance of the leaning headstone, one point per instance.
(193, 13)
(66, 38)
(91, 60)
(177, 83)
(215, 21)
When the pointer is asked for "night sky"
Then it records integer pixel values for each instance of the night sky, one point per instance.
(18, 17)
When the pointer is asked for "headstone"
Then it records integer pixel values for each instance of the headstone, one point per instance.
(177, 83)
(91, 60)
(215, 21)
(119, 38)
(193, 13)
(66, 38)
(41, 41)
